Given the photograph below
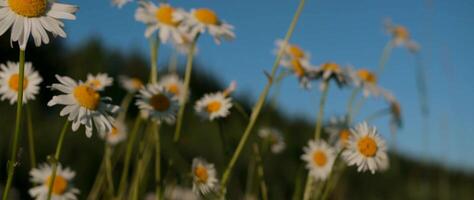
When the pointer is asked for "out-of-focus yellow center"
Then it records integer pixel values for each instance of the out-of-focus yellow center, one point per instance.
(86, 96)
(213, 106)
(15, 80)
(367, 76)
(401, 33)
(164, 14)
(173, 88)
(296, 51)
(114, 131)
(160, 102)
(320, 158)
(28, 8)
(297, 67)
(206, 16)
(201, 173)
(367, 146)
(344, 135)
(136, 83)
(333, 67)
(59, 186)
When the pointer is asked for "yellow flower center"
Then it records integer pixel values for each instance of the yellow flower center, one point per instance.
(114, 132)
(344, 135)
(206, 16)
(296, 51)
(331, 67)
(214, 106)
(367, 76)
(320, 158)
(367, 146)
(297, 67)
(15, 80)
(164, 14)
(136, 83)
(201, 173)
(60, 185)
(95, 83)
(401, 33)
(28, 8)
(86, 96)
(160, 102)
(173, 88)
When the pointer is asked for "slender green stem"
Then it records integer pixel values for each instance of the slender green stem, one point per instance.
(125, 104)
(156, 133)
(421, 85)
(154, 45)
(258, 106)
(187, 80)
(108, 170)
(31, 138)
(173, 63)
(260, 172)
(144, 157)
(298, 184)
(19, 107)
(319, 119)
(276, 93)
(250, 179)
(225, 147)
(350, 104)
(358, 106)
(385, 56)
(377, 114)
(128, 155)
(55, 160)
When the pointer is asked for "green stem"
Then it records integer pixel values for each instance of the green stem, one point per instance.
(350, 104)
(225, 147)
(385, 56)
(19, 107)
(156, 131)
(125, 105)
(173, 63)
(319, 119)
(31, 138)
(377, 114)
(358, 106)
(128, 155)
(55, 160)
(154, 45)
(250, 175)
(144, 157)
(258, 106)
(260, 172)
(108, 169)
(187, 80)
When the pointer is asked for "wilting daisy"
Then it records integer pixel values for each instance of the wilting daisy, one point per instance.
(9, 80)
(160, 18)
(364, 79)
(172, 83)
(100, 81)
(34, 17)
(302, 69)
(339, 132)
(366, 149)
(83, 105)
(204, 176)
(62, 186)
(156, 103)
(395, 110)
(131, 84)
(215, 105)
(201, 20)
(120, 3)
(401, 36)
(328, 71)
(117, 134)
(274, 137)
(319, 157)
(291, 51)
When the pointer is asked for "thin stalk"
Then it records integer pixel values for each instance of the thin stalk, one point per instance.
(187, 80)
(358, 106)
(55, 160)
(260, 173)
(225, 147)
(377, 114)
(173, 63)
(125, 105)
(298, 184)
(276, 93)
(31, 138)
(250, 175)
(350, 104)
(385, 56)
(109, 169)
(19, 107)
(258, 106)
(154, 45)
(145, 153)
(128, 155)
(156, 133)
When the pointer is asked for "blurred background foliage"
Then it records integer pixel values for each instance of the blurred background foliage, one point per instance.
(406, 179)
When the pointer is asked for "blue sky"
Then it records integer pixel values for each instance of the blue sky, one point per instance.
(347, 32)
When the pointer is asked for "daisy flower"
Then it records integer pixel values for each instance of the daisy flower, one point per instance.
(160, 18)
(173, 84)
(339, 132)
(328, 71)
(319, 157)
(302, 69)
(201, 20)
(364, 79)
(401, 36)
(395, 111)
(9, 79)
(274, 136)
(120, 3)
(131, 84)
(62, 187)
(215, 105)
(117, 134)
(204, 176)
(83, 105)
(291, 51)
(157, 103)
(366, 149)
(100, 81)
(35, 17)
